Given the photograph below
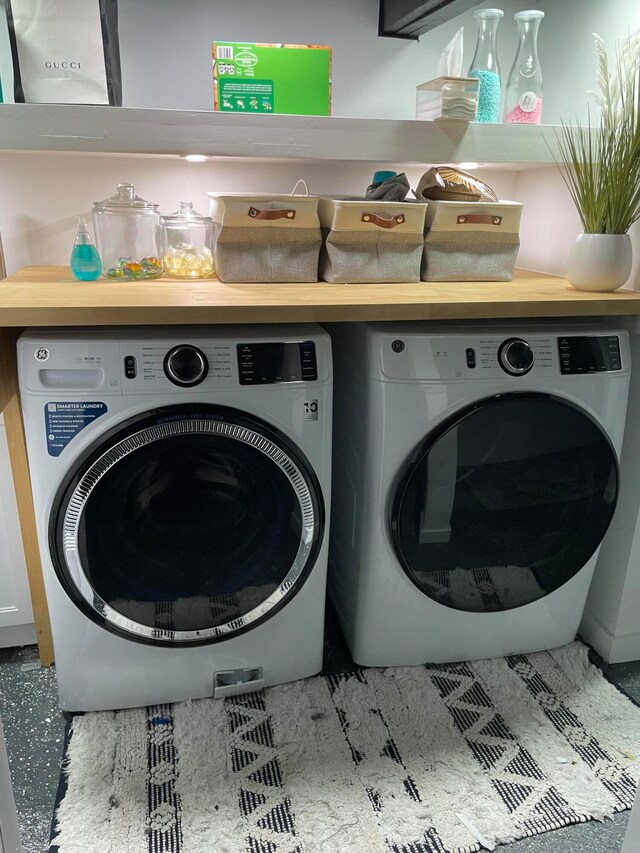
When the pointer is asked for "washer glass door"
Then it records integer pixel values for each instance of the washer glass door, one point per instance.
(186, 526)
(505, 502)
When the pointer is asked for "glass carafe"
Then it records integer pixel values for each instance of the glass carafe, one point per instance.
(484, 65)
(523, 98)
(126, 228)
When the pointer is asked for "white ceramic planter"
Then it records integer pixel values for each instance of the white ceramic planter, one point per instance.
(600, 262)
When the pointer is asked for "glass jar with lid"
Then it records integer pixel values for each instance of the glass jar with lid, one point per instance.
(126, 229)
(186, 239)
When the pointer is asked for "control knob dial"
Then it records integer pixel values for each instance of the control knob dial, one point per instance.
(515, 356)
(185, 365)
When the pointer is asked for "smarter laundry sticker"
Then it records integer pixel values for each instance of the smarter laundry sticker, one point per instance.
(63, 421)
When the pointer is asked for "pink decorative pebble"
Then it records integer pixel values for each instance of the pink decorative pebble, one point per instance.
(518, 116)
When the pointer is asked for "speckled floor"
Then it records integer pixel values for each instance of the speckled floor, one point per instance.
(34, 730)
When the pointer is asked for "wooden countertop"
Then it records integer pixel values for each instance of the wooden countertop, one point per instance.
(50, 296)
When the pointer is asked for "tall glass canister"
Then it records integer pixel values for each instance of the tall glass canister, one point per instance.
(523, 97)
(126, 228)
(484, 65)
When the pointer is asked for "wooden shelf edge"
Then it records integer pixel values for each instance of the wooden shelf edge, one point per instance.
(165, 318)
(48, 296)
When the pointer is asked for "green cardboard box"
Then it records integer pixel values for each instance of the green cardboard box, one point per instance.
(272, 78)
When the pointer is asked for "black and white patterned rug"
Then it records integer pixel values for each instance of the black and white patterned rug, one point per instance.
(430, 759)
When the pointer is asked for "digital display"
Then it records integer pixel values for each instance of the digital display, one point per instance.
(589, 354)
(270, 363)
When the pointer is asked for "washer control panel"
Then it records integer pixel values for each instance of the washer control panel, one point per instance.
(271, 363)
(149, 366)
(147, 361)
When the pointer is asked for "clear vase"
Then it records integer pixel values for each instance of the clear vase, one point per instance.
(484, 65)
(523, 97)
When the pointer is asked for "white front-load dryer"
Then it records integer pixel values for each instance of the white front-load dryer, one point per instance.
(181, 480)
(475, 475)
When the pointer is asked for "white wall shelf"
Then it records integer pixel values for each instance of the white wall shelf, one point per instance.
(94, 129)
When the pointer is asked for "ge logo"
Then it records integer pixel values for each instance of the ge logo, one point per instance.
(42, 354)
(397, 346)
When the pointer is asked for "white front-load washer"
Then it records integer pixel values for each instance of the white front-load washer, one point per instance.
(475, 475)
(181, 480)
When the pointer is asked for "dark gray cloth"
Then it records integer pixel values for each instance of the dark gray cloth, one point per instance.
(393, 189)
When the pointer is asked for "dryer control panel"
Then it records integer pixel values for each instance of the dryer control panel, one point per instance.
(589, 353)
(523, 353)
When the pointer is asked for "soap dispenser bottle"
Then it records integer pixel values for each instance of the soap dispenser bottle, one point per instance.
(85, 261)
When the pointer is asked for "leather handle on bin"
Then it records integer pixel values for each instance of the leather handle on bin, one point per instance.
(381, 222)
(478, 219)
(283, 213)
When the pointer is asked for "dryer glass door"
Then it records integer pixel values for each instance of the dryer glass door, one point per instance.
(187, 526)
(505, 502)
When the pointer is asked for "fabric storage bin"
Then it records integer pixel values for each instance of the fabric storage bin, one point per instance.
(257, 237)
(371, 241)
(471, 241)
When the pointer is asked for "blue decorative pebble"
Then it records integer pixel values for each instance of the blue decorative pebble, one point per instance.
(489, 96)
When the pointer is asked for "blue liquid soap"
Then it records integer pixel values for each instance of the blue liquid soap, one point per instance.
(85, 260)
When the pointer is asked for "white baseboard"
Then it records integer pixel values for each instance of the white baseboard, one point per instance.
(612, 648)
(17, 635)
